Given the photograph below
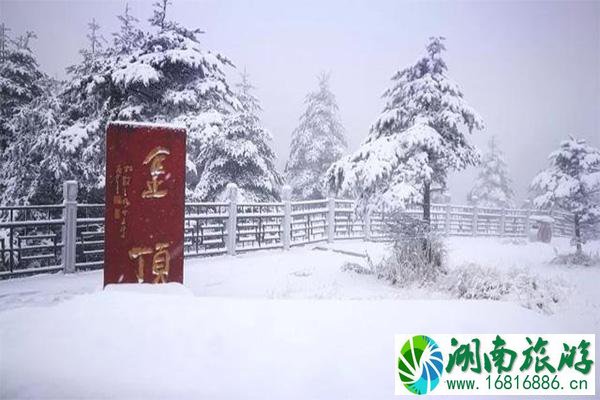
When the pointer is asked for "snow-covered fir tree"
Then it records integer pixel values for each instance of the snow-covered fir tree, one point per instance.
(241, 154)
(419, 137)
(22, 86)
(572, 183)
(162, 75)
(129, 36)
(19, 80)
(4, 39)
(34, 164)
(95, 38)
(493, 187)
(71, 136)
(317, 142)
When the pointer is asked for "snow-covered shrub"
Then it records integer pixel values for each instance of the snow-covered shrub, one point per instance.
(356, 268)
(534, 291)
(417, 252)
(584, 259)
(472, 281)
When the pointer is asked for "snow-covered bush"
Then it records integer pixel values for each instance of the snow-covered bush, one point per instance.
(581, 259)
(534, 291)
(356, 268)
(472, 281)
(417, 254)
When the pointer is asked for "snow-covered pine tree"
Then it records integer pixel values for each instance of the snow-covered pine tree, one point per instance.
(317, 142)
(85, 101)
(19, 81)
(3, 40)
(420, 136)
(493, 187)
(241, 154)
(572, 183)
(129, 36)
(162, 76)
(32, 169)
(95, 38)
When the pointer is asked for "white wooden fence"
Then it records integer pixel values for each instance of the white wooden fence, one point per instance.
(70, 236)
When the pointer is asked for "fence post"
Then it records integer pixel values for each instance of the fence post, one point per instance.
(527, 223)
(502, 222)
(69, 230)
(367, 224)
(475, 221)
(447, 225)
(330, 219)
(286, 196)
(232, 191)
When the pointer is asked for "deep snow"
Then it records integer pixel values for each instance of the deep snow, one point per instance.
(266, 324)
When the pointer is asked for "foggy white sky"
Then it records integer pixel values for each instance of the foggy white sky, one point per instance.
(531, 69)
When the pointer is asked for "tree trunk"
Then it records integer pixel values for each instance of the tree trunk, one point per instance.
(427, 219)
(427, 203)
(578, 233)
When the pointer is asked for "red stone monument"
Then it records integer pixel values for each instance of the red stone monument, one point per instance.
(144, 217)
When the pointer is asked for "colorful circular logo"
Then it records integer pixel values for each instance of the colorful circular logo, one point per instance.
(420, 364)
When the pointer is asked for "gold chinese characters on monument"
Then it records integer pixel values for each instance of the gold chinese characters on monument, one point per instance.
(161, 256)
(160, 261)
(155, 159)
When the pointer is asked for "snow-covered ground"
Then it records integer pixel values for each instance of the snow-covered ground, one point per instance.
(266, 324)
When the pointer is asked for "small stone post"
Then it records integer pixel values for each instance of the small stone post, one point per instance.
(526, 220)
(286, 196)
(527, 223)
(69, 231)
(367, 224)
(448, 219)
(330, 219)
(475, 221)
(232, 194)
(502, 226)
(553, 229)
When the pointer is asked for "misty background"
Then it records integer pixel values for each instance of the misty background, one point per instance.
(531, 69)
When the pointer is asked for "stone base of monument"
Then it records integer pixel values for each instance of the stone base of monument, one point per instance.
(170, 288)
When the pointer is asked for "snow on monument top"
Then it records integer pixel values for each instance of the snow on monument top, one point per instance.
(148, 125)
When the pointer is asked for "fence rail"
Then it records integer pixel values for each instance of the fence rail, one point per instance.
(36, 239)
